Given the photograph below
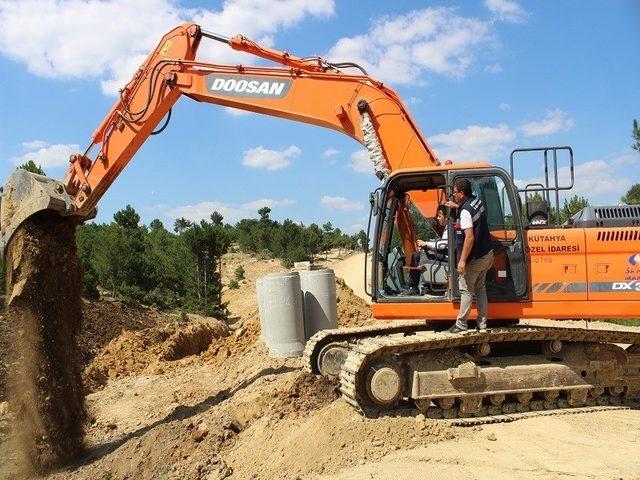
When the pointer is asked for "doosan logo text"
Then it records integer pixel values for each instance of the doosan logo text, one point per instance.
(248, 87)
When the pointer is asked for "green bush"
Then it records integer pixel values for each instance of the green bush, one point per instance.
(234, 284)
(238, 274)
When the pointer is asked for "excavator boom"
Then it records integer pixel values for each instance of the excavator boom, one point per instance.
(306, 90)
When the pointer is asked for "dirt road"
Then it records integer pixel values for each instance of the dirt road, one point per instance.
(351, 270)
(601, 445)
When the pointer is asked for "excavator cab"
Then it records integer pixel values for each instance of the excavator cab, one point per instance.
(420, 193)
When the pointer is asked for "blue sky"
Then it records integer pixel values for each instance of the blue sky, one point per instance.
(480, 78)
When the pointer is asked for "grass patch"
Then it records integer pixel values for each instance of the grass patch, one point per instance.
(631, 322)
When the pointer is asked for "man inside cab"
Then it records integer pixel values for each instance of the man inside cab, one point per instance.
(438, 249)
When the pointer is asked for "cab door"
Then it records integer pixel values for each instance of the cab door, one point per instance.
(508, 278)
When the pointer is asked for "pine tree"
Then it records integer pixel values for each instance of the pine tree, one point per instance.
(362, 241)
(632, 197)
(571, 207)
(181, 224)
(30, 166)
(127, 218)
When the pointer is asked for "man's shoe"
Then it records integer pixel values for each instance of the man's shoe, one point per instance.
(481, 327)
(455, 329)
(410, 291)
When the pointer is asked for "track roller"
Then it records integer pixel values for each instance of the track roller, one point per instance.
(596, 392)
(331, 358)
(470, 405)
(577, 398)
(553, 346)
(446, 403)
(482, 349)
(385, 384)
(617, 390)
(536, 405)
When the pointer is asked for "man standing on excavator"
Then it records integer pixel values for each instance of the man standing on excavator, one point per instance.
(474, 254)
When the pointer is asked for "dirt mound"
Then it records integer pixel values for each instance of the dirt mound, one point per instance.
(327, 441)
(44, 311)
(308, 393)
(146, 351)
(353, 311)
(192, 340)
(241, 340)
(105, 320)
(129, 354)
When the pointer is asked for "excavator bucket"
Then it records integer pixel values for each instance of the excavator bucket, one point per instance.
(27, 193)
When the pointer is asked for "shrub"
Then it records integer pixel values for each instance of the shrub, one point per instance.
(239, 273)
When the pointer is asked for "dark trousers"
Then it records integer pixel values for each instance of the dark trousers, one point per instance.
(414, 274)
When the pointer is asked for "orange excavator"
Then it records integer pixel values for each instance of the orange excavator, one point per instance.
(588, 268)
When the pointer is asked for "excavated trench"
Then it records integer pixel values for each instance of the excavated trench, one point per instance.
(44, 315)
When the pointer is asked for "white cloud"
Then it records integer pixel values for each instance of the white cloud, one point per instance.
(399, 49)
(330, 152)
(495, 68)
(231, 213)
(356, 227)
(414, 100)
(107, 39)
(340, 203)
(34, 145)
(474, 143)
(360, 162)
(160, 207)
(271, 160)
(46, 155)
(203, 210)
(256, 205)
(625, 159)
(506, 10)
(236, 112)
(504, 106)
(554, 121)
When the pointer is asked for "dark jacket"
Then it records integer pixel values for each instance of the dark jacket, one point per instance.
(482, 239)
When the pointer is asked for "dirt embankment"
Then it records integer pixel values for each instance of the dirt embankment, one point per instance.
(148, 350)
(44, 316)
(104, 320)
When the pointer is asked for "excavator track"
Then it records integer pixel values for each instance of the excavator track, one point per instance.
(380, 356)
(351, 335)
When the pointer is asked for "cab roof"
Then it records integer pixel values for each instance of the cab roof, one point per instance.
(441, 168)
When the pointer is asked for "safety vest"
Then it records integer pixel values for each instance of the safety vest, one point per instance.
(481, 237)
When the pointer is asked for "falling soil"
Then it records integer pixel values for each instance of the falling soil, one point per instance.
(4, 356)
(44, 312)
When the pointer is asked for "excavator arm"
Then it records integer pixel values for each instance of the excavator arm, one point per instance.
(308, 90)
